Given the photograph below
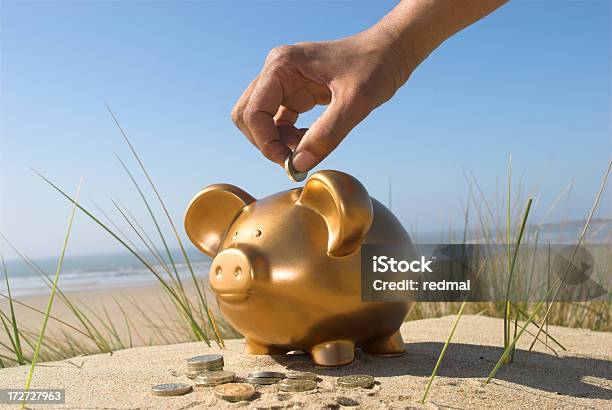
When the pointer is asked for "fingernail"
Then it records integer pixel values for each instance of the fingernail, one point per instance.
(303, 161)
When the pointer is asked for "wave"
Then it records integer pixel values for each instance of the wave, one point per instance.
(82, 279)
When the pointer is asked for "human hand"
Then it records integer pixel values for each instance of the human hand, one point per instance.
(352, 76)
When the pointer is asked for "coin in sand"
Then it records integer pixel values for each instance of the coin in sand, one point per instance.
(301, 376)
(356, 380)
(297, 385)
(278, 375)
(170, 389)
(234, 391)
(194, 373)
(292, 173)
(262, 380)
(214, 378)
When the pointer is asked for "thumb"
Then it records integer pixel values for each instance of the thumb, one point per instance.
(340, 117)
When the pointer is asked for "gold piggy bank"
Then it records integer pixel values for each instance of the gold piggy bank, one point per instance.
(286, 268)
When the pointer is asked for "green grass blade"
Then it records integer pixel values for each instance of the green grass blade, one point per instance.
(548, 335)
(81, 317)
(153, 218)
(443, 352)
(148, 246)
(51, 297)
(13, 349)
(580, 240)
(555, 288)
(120, 232)
(507, 302)
(25, 305)
(145, 235)
(508, 239)
(512, 344)
(126, 321)
(201, 296)
(450, 337)
(18, 351)
(195, 326)
(516, 249)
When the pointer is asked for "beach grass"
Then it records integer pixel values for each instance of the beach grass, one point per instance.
(41, 334)
(449, 339)
(511, 346)
(14, 337)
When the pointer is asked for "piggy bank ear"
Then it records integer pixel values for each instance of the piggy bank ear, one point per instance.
(345, 206)
(211, 212)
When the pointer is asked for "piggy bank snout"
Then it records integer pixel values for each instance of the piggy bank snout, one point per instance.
(231, 275)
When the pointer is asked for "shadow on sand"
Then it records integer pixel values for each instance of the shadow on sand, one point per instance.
(570, 376)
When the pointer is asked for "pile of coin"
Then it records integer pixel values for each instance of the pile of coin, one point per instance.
(301, 376)
(296, 385)
(214, 378)
(207, 370)
(204, 363)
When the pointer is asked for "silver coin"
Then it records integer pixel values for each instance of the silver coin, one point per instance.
(171, 389)
(205, 359)
(356, 380)
(204, 384)
(215, 378)
(292, 173)
(204, 367)
(205, 362)
(262, 380)
(297, 385)
(192, 374)
(278, 375)
(194, 371)
(301, 376)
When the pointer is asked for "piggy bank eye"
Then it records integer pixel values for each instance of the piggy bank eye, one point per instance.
(257, 233)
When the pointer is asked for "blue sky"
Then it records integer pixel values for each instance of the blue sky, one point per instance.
(532, 80)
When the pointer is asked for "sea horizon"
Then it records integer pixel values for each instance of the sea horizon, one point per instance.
(123, 269)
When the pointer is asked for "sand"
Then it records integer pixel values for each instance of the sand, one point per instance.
(580, 377)
(108, 303)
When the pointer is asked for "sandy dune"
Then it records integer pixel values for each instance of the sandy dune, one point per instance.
(579, 377)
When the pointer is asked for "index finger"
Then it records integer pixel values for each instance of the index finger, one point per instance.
(258, 116)
(238, 110)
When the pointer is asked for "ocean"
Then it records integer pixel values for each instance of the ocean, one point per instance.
(96, 272)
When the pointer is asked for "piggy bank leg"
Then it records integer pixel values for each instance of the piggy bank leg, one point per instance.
(255, 348)
(388, 346)
(333, 353)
